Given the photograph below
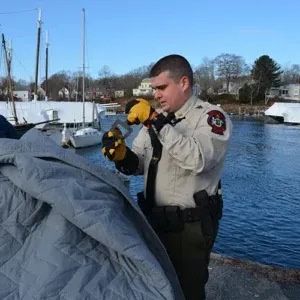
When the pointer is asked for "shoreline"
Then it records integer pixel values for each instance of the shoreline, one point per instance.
(272, 272)
(231, 279)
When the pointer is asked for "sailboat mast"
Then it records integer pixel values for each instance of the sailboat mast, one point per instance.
(38, 53)
(9, 54)
(83, 69)
(9, 59)
(46, 77)
(9, 81)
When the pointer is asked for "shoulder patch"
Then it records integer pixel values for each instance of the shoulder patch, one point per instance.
(217, 121)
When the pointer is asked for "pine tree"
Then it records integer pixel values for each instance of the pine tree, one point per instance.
(266, 74)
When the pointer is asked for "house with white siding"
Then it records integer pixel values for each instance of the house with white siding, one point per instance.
(144, 89)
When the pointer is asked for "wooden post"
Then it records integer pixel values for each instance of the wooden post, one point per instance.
(10, 82)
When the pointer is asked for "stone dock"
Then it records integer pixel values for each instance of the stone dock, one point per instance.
(235, 279)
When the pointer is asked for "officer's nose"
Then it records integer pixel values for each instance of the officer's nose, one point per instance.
(157, 94)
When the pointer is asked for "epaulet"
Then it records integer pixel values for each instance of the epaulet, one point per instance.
(201, 104)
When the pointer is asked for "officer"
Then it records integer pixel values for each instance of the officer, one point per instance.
(7, 130)
(180, 150)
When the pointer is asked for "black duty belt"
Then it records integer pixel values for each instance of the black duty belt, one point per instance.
(187, 215)
(208, 211)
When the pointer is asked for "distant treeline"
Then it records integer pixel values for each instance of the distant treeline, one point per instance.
(225, 74)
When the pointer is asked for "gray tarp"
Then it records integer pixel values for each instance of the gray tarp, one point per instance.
(70, 230)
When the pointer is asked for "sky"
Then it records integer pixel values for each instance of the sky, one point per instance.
(127, 34)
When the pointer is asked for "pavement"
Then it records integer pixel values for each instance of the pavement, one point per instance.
(235, 279)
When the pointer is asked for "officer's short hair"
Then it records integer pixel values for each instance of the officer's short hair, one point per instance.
(177, 65)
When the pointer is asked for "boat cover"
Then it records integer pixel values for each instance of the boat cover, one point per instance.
(71, 230)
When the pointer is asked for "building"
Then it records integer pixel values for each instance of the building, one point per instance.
(290, 92)
(18, 95)
(119, 94)
(233, 87)
(145, 89)
(286, 92)
(22, 95)
(64, 93)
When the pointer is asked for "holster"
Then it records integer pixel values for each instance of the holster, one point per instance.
(210, 208)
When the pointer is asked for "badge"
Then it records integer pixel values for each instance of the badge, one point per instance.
(216, 120)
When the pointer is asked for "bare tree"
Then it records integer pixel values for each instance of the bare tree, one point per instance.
(291, 74)
(204, 75)
(21, 85)
(56, 82)
(75, 84)
(106, 78)
(142, 72)
(132, 79)
(230, 66)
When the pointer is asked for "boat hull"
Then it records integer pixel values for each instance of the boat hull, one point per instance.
(273, 119)
(22, 129)
(85, 141)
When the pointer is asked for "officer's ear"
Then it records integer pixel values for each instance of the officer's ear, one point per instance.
(184, 83)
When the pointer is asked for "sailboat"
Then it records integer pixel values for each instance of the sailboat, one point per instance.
(86, 136)
(21, 128)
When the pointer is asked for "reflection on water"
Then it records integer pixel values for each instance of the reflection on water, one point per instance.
(261, 192)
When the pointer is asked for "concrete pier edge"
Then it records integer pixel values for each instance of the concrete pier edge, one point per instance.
(240, 279)
(273, 273)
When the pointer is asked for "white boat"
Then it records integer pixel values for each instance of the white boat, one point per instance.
(278, 111)
(86, 137)
(292, 116)
(40, 111)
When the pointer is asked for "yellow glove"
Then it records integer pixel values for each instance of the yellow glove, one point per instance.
(139, 111)
(113, 145)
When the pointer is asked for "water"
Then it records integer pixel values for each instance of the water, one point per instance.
(261, 189)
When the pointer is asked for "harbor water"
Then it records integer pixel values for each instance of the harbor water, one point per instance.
(261, 191)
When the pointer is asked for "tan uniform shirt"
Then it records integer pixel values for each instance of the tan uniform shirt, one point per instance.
(193, 153)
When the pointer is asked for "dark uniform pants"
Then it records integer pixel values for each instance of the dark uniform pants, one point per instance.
(189, 252)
